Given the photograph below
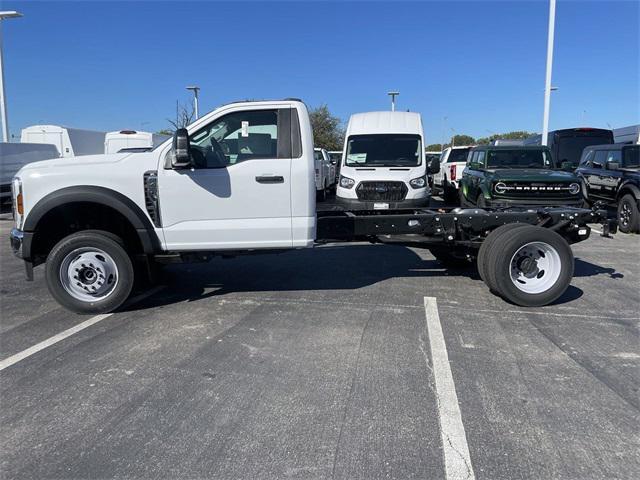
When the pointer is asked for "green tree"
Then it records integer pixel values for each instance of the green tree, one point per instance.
(165, 131)
(463, 140)
(328, 131)
(515, 135)
(434, 147)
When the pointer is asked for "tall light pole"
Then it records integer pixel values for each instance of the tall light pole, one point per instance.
(3, 101)
(195, 91)
(547, 83)
(393, 96)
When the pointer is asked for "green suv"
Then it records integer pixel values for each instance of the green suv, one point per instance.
(498, 176)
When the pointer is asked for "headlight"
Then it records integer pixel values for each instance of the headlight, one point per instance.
(419, 182)
(18, 202)
(500, 187)
(574, 188)
(346, 182)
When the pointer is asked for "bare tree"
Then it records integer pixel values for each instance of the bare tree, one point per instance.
(184, 116)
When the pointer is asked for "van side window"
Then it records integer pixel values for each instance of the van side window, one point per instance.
(235, 138)
(599, 158)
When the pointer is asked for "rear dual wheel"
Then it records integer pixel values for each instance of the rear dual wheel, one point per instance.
(526, 265)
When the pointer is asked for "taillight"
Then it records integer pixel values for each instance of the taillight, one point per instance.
(452, 172)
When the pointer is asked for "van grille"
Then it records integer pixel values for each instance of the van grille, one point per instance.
(381, 191)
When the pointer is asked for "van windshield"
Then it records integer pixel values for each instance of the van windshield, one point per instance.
(519, 159)
(383, 150)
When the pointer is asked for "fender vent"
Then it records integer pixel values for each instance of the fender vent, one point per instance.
(151, 199)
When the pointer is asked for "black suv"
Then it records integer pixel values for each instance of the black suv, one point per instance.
(611, 173)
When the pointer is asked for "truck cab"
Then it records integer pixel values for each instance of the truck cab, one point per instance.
(383, 165)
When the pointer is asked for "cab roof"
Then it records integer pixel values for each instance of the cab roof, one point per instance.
(385, 122)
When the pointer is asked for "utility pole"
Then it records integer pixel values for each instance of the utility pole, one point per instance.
(547, 84)
(393, 96)
(3, 101)
(195, 89)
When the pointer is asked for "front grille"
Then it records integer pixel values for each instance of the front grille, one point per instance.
(381, 191)
(535, 190)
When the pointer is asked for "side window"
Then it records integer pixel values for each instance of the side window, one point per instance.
(599, 158)
(614, 156)
(471, 160)
(481, 157)
(235, 138)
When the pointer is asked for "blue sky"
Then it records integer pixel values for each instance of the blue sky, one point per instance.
(113, 65)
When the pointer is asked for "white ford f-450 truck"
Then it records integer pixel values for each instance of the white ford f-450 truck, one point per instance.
(241, 179)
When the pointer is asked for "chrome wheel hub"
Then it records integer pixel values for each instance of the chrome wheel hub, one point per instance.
(89, 274)
(535, 267)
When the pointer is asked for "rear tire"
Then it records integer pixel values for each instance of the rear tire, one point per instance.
(530, 267)
(487, 246)
(89, 272)
(628, 215)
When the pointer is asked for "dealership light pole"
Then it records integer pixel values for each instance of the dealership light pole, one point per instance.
(393, 96)
(3, 101)
(195, 91)
(547, 84)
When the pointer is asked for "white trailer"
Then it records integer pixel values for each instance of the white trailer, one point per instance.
(627, 135)
(70, 142)
(128, 139)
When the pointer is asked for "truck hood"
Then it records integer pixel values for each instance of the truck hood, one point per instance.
(399, 174)
(532, 175)
(83, 160)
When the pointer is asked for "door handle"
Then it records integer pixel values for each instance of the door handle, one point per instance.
(270, 179)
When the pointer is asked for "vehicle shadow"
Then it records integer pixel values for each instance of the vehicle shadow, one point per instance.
(584, 268)
(323, 268)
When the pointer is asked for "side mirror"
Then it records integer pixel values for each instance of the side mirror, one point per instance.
(568, 166)
(181, 157)
(613, 165)
(433, 166)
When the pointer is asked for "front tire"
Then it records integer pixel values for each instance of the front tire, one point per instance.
(450, 196)
(628, 216)
(89, 272)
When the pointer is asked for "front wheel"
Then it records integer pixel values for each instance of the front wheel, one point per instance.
(628, 216)
(89, 272)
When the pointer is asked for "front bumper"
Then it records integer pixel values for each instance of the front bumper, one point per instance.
(16, 238)
(534, 202)
(355, 204)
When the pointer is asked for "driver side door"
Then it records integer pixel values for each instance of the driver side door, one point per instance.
(237, 194)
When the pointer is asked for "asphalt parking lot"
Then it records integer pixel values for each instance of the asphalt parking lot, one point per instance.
(327, 364)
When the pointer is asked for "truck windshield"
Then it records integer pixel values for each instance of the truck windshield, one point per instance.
(384, 150)
(519, 159)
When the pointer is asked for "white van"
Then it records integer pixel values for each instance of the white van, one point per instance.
(131, 139)
(383, 164)
(70, 142)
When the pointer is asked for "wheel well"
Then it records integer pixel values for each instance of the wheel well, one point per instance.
(69, 218)
(628, 190)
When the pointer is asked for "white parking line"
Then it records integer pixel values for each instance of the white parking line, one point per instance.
(457, 462)
(12, 360)
(597, 231)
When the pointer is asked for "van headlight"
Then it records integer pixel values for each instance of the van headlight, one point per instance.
(17, 202)
(419, 182)
(574, 188)
(346, 182)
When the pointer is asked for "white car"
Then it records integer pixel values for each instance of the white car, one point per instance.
(325, 172)
(452, 163)
(383, 164)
